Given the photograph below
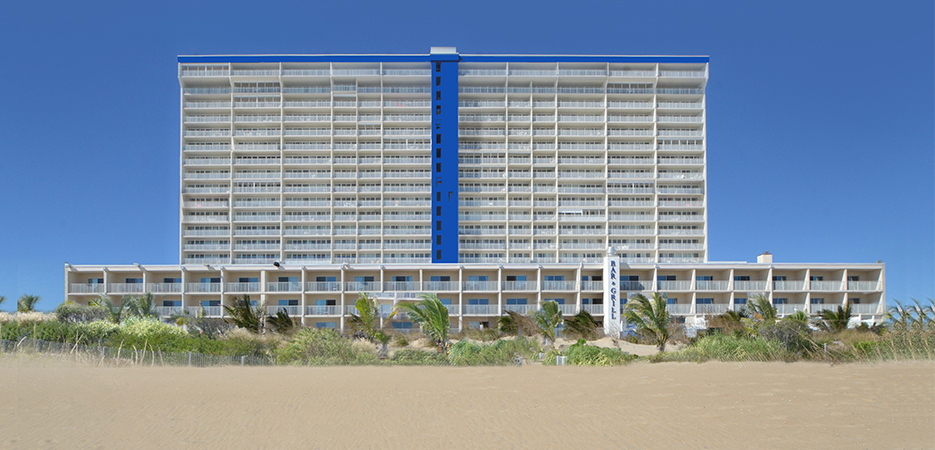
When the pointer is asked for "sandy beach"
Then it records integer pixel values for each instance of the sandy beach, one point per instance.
(58, 404)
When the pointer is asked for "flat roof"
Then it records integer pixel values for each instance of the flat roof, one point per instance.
(467, 57)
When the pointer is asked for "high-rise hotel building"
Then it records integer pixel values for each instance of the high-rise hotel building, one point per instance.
(496, 181)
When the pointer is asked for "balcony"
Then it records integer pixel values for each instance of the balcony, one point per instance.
(362, 286)
(520, 285)
(794, 285)
(202, 287)
(480, 310)
(787, 309)
(81, 288)
(592, 285)
(864, 308)
(594, 310)
(480, 285)
(632, 286)
(674, 285)
(750, 286)
(289, 286)
(400, 286)
(522, 309)
(242, 287)
(709, 285)
(207, 311)
(124, 288)
(551, 285)
(568, 310)
(163, 288)
(816, 308)
(326, 310)
(323, 286)
(711, 308)
(679, 310)
(435, 286)
(862, 285)
(291, 310)
(168, 311)
(825, 285)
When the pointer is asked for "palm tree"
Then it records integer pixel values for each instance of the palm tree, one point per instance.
(2, 299)
(281, 322)
(650, 317)
(582, 325)
(245, 315)
(141, 306)
(514, 323)
(367, 318)
(115, 311)
(547, 319)
(27, 303)
(761, 309)
(431, 314)
(798, 316)
(834, 321)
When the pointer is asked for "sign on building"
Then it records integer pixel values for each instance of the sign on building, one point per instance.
(612, 320)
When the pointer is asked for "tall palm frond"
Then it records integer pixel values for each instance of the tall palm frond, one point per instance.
(281, 322)
(582, 325)
(515, 323)
(27, 303)
(367, 318)
(761, 309)
(650, 317)
(835, 320)
(115, 310)
(2, 299)
(547, 319)
(431, 314)
(141, 306)
(244, 315)
(798, 316)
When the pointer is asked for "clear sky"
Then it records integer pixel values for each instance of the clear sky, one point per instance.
(821, 115)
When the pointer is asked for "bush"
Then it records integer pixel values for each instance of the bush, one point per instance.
(414, 357)
(793, 335)
(238, 341)
(316, 346)
(582, 354)
(501, 352)
(71, 312)
(149, 333)
(724, 347)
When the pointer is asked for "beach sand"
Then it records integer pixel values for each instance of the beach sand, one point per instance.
(49, 403)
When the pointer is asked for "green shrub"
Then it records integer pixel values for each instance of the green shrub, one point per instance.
(414, 357)
(793, 335)
(501, 352)
(724, 347)
(71, 312)
(581, 354)
(316, 346)
(149, 333)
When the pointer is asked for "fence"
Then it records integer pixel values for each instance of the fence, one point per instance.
(128, 356)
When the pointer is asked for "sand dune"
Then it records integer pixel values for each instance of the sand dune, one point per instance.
(55, 404)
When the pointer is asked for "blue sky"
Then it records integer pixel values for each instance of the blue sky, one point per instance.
(821, 130)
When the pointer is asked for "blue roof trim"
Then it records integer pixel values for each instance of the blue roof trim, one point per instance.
(303, 58)
(428, 58)
(585, 58)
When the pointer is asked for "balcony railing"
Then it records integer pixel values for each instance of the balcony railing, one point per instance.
(478, 310)
(434, 286)
(292, 310)
(166, 311)
(824, 285)
(522, 309)
(674, 285)
(161, 288)
(242, 287)
(480, 285)
(551, 285)
(323, 286)
(400, 286)
(81, 288)
(593, 309)
(679, 309)
(709, 285)
(287, 286)
(862, 285)
(520, 285)
(750, 286)
(202, 287)
(121, 288)
(786, 309)
(794, 285)
(326, 310)
(592, 285)
(362, 286)
(864, 308)
(208, 311)
(711, 308)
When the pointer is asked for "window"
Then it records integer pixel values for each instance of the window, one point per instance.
(478, 301)
(740, 301)
(94, 281)
(704, 301)
(363, 279)
(477, 278)
(331, 325)
(560, 301)
(780, 301)
(210, 280)
(516, 278)
(741, 277)
(288, 279)
(172, 303)
(172, 280)
(704, 278)
(326, 302)
(326, 279)
(206, 303)
(133, 281)
(440, 278)
(248, 280)
(817, 301)
(672, 301)
(779, 278)
(816, 278)
(554, 277)
(402, 325)
(665, 278)
(290, 302)
(516, 301)
(853, 278)
(854, 301)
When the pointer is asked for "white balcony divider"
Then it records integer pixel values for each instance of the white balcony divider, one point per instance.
(712, 308)
(475, 310)
(125, 288)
